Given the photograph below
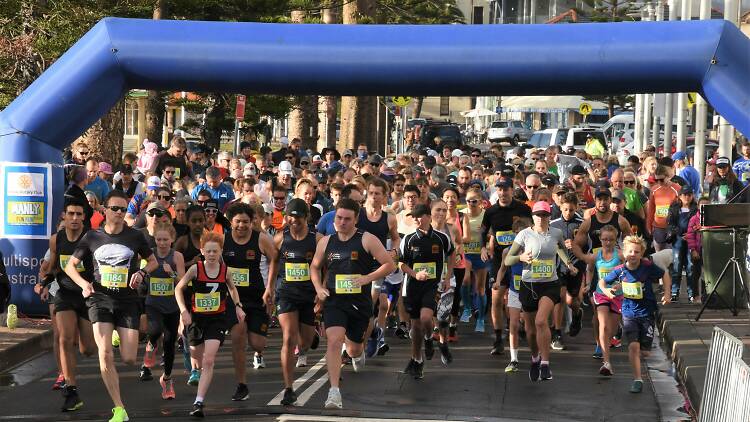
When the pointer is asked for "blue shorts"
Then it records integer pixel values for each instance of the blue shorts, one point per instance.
(477, 263)
(640, 329)
(393, 291)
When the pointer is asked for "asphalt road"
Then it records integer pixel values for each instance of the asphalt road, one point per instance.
(473, 387)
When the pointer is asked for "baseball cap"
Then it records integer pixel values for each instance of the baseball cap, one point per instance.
(456, 153)
(432, 153)
(284, 141)
(686, 190)
(419, 211)
(297, 208)
(285, 167)
(578, 170)
(504, 182)
(540, 208)
(375, 160)
(722, 162)
(155, 206)
(105, 167)
(602, 189)
(249, 170)
(559, 188)
(485, 162)
(245, 144)
(321, 177)
(211, 204)
(153, 182)
(679, 155)
(452, 180)
(618, 195)
(549, 180)
(268, 209)
(348, 152)
(317, 159)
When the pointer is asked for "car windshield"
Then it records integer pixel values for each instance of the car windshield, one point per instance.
(540, 139)
(499, 125)
(579, 138)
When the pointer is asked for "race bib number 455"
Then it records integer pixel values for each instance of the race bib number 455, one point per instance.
(345, 284)
(239, 276)
(114, 277)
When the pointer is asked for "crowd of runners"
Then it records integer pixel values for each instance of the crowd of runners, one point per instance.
(182, 249)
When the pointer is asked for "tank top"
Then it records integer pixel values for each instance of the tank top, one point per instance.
(191, 251)
(294, 267)
(209, 295)
(378, 228)
(460, 259)
(604, 267)
(64, 249)
(515, 276)
(474, 246)
(346, 261)
(594, 243)
(243, 268)
(161, 286)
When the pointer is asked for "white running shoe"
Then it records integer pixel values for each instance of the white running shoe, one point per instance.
(258, 361)
(334, 399)
(358, 363)
(301, 360)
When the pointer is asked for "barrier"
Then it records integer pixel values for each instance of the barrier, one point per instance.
(720, 399)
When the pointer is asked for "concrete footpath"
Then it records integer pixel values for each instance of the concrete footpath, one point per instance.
(30, 338)
(687, 341)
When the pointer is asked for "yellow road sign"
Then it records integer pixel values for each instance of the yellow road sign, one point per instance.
(584, 109)
(401, 101)
(691, 98)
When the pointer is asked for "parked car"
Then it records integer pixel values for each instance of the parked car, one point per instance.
(577, 137)
(548, 137)
(449, 133)
(513, 131)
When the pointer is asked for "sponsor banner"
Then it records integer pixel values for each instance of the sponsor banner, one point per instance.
(26, 203)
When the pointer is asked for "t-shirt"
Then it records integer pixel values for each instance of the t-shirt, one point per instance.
(639, 299)
(543, 247)
(499, 222)
(632, 199)
(741, 167)
(325, 224)
(165, 159)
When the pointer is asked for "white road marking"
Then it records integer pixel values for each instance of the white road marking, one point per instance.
(305, 396)
(284, 418)
(299, 382)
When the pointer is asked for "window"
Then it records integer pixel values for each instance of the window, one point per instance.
(131, 118)
(499, 125)
(445, 106)
(478, 15)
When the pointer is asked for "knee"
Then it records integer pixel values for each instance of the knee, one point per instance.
(208, 361)
(66, 340)
(106, 357)
(426, 321)
(541, 324)
(128, 360)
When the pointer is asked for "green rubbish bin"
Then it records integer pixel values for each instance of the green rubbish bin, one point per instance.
(717, 249)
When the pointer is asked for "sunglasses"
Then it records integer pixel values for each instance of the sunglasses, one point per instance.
(115, 208)
(533, 186)
(629, 182)
(659, 179)
(165, 197)
(83, 153)
(275, 198)
(289, 157)
(155, 213)
(211, 211)
(472, 201)
(169, 172)
(475, 155)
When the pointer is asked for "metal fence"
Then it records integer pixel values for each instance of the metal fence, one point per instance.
(727, 385)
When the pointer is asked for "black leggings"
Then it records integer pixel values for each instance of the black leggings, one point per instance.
(158, 324)
(459, 273)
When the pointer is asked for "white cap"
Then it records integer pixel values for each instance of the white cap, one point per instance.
(284, 140)
(432, 153)
(317, 158)
(456, 153)
(285, 167)
(154, 182)
(249, 170)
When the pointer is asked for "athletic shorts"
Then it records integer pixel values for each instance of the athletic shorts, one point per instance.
(477, 263)
(69, 300)
(514, 301)
(420, 294)
(640, 329)
(614, 304)
(393, 291)
(341, 313)
(256, 317)
(572, 283)
(206, 327)
(531, 293)
(306, 310)
(125, 313)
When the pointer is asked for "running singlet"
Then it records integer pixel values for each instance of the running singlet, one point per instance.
(64, 249)
(596, 227)
(474, 246)
(294, 267)
(209, 295)
(378, 228)
(243, 268)
(346, 261)
(604, 267)
(161, 286)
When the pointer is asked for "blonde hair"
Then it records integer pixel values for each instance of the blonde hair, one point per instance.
(634, 240)
(301, 183)
(166, 227)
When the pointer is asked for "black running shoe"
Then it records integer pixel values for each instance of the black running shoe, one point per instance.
(497, 347)
(72, 401)
(401, 332)
(289, 397)
(445, 354)
(544, 373)
(315, 342)
(418, 370)
(534, 370)
(409, 370)
(576, 323)
(241, 393)
(197, 411)
(429, 349)
(146, 374)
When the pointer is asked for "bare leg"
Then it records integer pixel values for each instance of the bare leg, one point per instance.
(335, 338)
(103, 337)
(634, 354)
(290, 331)
(239, 342)
(530, 326)
(210, 347)
(66, 322)
(543, 335)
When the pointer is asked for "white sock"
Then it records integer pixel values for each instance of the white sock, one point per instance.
(418, 360)
(198, 399)
(514, 355)
(334, 389)
(545, 362)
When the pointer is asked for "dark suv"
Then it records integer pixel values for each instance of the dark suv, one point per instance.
(449, 133)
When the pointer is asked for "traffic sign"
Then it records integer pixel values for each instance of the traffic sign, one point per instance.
(401, 101)
(691, 97)
(239, 112)
(584, 109)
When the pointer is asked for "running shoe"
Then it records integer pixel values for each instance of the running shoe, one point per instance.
(512, 367)
(445, 354)
(241, 393)
(11, 319)
(289, 397)
(597, 352)
(345, 358)
(383, 347)
(59, 382)
(636, 387)
(145, 374)
(119, 415)
(358, 363)
(301, 360)
(557, 343)
(180, 344)
(479, 328)
(429, 349)
(167, 388)
(435, 334)
(315, 341)
(497, 347)
(334, 399)
(418, 370)
(115, 339)
(409, 370)
(676, 298)
(195, 377)
(149, 356)
(452, 334)
(197, 411)
(258, 361)
(606, 369)
(576, 324)
(544, 373)
(615, 343)
(72, 401)
(372, 343)
(534, 370)
(402, 332)
(466, 316)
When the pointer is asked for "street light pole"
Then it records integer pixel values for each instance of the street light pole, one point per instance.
(685, 15)
(726, 131)
(669, 97)
(701, 111)
(655, 125)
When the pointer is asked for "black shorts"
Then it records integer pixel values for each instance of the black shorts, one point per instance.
(572, 283)
(69, 300)
(206, 327)
(531, 293)
(125, 313)
(640, 329)
(420, 294)
(306, 310)
(256, 317)
(354, 317)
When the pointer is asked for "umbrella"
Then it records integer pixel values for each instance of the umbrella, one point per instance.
(477, 112)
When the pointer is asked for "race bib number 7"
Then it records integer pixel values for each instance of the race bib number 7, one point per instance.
(542, 268)
(114, 277)
(345, 284)
(632, 290)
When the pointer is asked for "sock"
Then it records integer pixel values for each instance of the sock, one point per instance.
(536, 358)
(498, 335)
(198, 399)
(418, 360)
(557, 332)
(453, 325)
(545, 362)
(514, 355)
(482, 306)
(334, 388)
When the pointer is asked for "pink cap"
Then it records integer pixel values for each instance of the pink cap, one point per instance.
(541, 207)
(105, 168)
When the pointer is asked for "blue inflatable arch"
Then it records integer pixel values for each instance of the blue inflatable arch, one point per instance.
(116, 55)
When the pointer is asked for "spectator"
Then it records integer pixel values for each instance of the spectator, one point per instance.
(141, 201)
(219, 191)
(147, 156)
(725, 185)
(94, 183)
(127, 183)
(279, 156)
(688, 173)
(173, 157)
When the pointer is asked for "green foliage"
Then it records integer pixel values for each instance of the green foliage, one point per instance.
(418, 12)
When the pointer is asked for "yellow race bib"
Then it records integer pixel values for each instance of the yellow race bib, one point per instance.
(297, 271)
(207, 302)
(517, 282)
(542, 268)
(161, 286)
(64, 263)
(114, 277)
(426, 266)
(345, 284)
(239, 276)
(604, 272)
(176, 172)
(662, 211)
(632, 290)
(504, 237)
(473, 247)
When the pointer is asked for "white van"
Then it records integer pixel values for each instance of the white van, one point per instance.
(616, 126)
